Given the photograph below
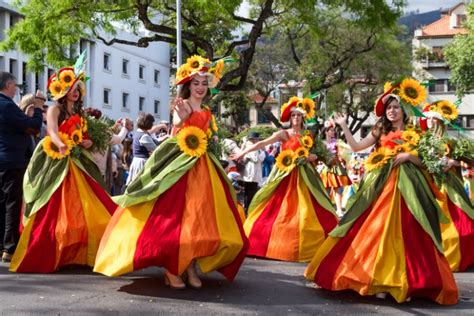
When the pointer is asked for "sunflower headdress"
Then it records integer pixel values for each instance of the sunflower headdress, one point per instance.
(443, 110)
(306, 106)
(199, 66)
(60, 83)
(409, 92)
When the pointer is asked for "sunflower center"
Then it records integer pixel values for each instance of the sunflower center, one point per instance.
(192, 142)
(446, 110)
(54, 147)
(377, 159)
(195, 64)
(411, 92)
(67, 79)
(287, 161)
(75, 138)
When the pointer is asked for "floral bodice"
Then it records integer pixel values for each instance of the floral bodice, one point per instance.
(292, 143)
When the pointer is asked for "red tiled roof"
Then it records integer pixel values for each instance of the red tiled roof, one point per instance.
(441, 28)
(257, 98)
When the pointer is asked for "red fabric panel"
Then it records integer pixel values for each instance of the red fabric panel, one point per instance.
(465, 227)
(158, 244)
(327, 219)
(424, 279)
(101, 194)
(261, 232)
(327, 269)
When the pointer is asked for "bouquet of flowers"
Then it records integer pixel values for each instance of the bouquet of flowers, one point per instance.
(433, 150)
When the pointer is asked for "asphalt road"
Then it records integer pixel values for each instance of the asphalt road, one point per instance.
(261, 287)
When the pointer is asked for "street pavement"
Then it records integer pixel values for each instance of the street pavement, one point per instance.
(261, 287)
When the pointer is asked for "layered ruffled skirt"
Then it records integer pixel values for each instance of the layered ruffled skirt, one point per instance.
(389, 241)
(290, 217)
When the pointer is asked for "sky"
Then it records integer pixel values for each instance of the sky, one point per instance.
(429, 5)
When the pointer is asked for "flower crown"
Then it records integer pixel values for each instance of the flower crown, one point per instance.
(197, 65)
(61, 83)
(443, 110)
(303, 105)
(407, 91)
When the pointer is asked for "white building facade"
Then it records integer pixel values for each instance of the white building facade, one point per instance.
(428, 44)
(125, 80)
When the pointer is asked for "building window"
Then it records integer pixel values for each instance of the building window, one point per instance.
(438, 55)
(156, 108)
(106, 96)
(37, 82)
(156, 77)
(466, 121)
(460, 20)
(13, 67)
(124, 100)
(141, 104)
(125, 66)
(107, 62)
(438, 85)
(262, 119)
(141, 72)
(451, 86)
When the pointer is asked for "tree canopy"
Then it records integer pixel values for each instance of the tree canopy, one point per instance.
(209, 26)
(460, 56)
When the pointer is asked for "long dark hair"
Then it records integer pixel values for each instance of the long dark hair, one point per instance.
(76, 109)
(384, 125)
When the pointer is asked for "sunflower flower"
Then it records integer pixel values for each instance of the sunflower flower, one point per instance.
(411, 91)
(183, 72)
(192, 141)
(67, 77)
(411, 137)
(405, 148)
(387, 86)
(52, 150)
(284, 161)
(448, 110)
(55, 88)
(213, 124)
(307, 141)
(218, 69)
(410, 127)
(308, 105)
(83, 125)
(196, 62)
(378, 159)
(76, 137)
(301, 153)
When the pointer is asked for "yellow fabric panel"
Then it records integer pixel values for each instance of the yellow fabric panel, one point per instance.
(311, 231)
(22, 244)
(117, 250)
(231, 242)
(449, 234)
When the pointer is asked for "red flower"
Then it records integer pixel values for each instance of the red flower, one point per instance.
(70, 125)
(391, 140)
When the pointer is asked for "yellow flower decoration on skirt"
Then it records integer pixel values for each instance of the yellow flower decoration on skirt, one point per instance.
(378, 158)
(301, 153)
(76, 137)
(411, 137)
(307, 141)
(52, 150)
(284, 161)
(192, 141)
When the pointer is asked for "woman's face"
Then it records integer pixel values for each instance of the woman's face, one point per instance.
(296, 118)
(198, 87)
(432, 122)
(330, 132)
(394, 111)
(73, 94)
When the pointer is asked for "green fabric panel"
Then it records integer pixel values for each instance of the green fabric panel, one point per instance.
(274, 179)
(370, 188)
(313, 181)
(421, 201)
(42, 178)
(86, 163)
(163, 169)
(221, 170)
(455, 190)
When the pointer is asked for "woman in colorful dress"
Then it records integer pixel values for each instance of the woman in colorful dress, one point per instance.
(389, 240)
(66, 206)
(181, 210)
(334, 176)
(458, 232)
(291, 216)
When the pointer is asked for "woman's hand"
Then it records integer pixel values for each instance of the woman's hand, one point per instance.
(451, 163)
(182, 109)
(340, 119)
(62, 148)
(236, 157)
(312, 158)
(86, 143)
(401, 158)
